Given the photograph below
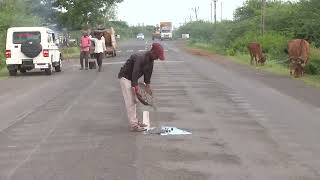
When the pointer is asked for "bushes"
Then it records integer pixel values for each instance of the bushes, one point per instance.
(284, 21)
(272, 43)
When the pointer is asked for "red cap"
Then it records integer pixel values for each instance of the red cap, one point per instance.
(158, 50)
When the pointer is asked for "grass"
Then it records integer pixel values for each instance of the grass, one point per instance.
(271, 66)
(3, 73)
(70, 52)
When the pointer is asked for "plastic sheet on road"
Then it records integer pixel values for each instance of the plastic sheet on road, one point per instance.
(167, 130)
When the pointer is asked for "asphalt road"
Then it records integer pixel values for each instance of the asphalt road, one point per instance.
(246, 125)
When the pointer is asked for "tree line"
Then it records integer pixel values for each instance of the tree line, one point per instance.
(72, 15)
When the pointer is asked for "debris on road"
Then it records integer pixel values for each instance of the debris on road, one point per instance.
(165, 130)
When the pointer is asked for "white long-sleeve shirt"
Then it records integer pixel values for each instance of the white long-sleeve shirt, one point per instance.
(99, 45)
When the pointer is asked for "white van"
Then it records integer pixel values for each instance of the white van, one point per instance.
(30, 48)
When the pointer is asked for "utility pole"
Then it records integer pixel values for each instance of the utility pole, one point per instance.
(221, 12)
(196, 9)
(215, 11)
(263, 14)
(211, 10)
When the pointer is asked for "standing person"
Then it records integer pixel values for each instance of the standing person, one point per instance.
(137, 65)
(100, 48)
(85, 44)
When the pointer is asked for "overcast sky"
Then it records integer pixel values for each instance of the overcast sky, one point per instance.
(153, 11)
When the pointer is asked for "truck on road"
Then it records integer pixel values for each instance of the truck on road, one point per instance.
(165, 30)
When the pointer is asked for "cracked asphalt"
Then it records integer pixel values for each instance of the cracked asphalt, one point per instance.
(246, 125)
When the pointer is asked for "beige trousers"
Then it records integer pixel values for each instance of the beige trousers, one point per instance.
(130, 101)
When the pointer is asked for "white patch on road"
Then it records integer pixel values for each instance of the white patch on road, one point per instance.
(119, 51)
(142, 50)
(130, 50)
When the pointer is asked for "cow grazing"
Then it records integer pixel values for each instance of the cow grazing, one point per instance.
(298, 52)
(256, 53)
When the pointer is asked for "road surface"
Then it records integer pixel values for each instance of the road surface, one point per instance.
(245, 124)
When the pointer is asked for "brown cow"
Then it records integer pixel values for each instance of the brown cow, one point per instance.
(255, 51)
(298, 52)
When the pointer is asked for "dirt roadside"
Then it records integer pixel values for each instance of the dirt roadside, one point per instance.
(285, 84)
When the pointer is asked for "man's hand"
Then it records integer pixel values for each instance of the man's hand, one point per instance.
(148, 89)
(135, 89)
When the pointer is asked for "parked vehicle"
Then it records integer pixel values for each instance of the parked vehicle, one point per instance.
(110, 41)
(30, 48)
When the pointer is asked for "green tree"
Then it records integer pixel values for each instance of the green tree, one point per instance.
(74, 14)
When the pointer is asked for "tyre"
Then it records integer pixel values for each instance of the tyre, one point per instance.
(58, 68)
(13, 72)
(23, 71)
(48, 71)
(31, 48)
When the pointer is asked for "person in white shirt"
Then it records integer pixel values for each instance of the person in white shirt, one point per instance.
(100, 48)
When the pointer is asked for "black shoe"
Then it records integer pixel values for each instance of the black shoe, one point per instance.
(86, 68)
(81, 68)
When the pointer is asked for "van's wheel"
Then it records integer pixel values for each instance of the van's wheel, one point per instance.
(13, 72)
(58, 68)
(48, 71)
(115, 53)
(23, 71)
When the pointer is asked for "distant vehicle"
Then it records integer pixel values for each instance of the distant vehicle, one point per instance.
(166, 30)
(110, 41)
(156, 33)
(185, 36)
(140, 36)
(30, 48)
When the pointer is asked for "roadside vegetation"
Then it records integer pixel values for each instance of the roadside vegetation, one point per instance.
(284, 21)
(75, 17)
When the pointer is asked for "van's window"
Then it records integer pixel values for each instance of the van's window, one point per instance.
(49, 38)
(22, 37)
(54, 38)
